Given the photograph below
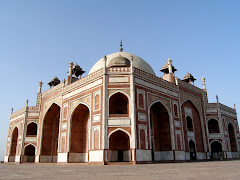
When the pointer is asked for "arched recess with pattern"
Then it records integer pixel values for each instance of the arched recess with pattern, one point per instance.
(216, 149)
(197, 128)
(118, 105)
(119, 147)
(79, 134)
(232, 137)
(29, 153)
(32, 129)
(50, 134)
(213, 126)
(14, 142)
(160, 130)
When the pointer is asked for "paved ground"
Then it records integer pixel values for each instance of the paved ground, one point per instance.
(190, 170)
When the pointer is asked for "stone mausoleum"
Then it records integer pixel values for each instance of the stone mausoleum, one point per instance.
(122, 112)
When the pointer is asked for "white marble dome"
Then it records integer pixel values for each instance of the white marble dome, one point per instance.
(137, 62)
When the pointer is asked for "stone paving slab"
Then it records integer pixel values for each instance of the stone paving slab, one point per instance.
(188, 170)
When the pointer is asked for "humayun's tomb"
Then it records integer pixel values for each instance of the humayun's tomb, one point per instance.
(122, 112)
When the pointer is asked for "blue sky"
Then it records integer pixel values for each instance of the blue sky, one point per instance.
(39, 38)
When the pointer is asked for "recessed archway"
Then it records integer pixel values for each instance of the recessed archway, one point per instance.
(119, 147)
(216, 149)
(189, 123)
(160, 130)
(79, 134)
(29, 153)
(189, 109)
(50, 134)
(192, 150)
(232, 138)
(32, 129)
(118, 105)
(213, 126)
(13, 149)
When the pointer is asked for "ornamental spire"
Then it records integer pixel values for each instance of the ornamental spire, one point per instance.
(121, 49)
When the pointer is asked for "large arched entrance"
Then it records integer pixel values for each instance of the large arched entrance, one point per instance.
(119, 147)
(79, 135)
(50, 134)
(160, 132)
(13, 149)
(193, 131)
(192, 150)
(216, 150)
(29, 153)
(232, 138)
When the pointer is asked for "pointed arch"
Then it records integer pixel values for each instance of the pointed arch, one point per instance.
(160, 121)
(119, 146)
(50, 131)
(213, 126)
(192, 149)
(188, 108)
(118, 104)
(29, 153)
(216, 149)
(32, 129)
(79, 133)
(232, 138)
(13, 146)
(119, 129)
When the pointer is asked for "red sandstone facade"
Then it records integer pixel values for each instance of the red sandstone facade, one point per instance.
(123, 112)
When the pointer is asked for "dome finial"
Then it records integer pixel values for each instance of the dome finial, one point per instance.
(121, 49)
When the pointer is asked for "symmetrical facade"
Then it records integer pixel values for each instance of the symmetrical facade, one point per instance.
(121, 111)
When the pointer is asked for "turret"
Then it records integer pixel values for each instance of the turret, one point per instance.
(189, 78)
(168, 71)
(55, 81)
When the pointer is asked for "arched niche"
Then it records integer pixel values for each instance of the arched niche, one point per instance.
(50, 134)
(192, 150)
(119, 147)
(13, 148)
(189, 123)
(32, 129)
(232, 138)
(216, 149)
(213, 126)
(79, 134)
(29, 153)
(118, 105)
(160, 130)
(189, 108)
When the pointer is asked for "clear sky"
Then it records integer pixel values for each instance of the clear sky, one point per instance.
(39, 38)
